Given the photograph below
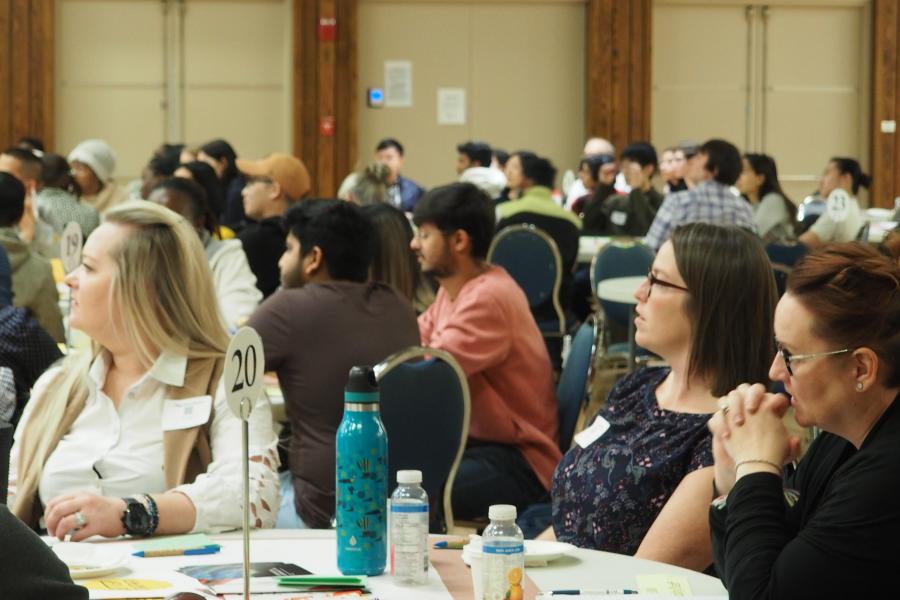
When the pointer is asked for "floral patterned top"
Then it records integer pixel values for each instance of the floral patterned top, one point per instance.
(606, 496)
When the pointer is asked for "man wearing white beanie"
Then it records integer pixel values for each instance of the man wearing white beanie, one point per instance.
(93, 163)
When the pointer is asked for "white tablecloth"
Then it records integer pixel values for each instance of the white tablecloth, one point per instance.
(315, 551)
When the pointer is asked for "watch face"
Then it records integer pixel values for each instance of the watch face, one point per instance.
(136, 518)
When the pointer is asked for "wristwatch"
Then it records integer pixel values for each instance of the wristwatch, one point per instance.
(137, 518)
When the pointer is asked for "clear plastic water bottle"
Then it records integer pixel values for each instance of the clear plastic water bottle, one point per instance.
(361, 479)
(409, 530)
(503, 555)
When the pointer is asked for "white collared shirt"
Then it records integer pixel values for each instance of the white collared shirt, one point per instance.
(120, 452)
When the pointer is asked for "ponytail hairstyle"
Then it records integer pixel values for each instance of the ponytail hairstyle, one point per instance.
(850, 166)
(371, 185)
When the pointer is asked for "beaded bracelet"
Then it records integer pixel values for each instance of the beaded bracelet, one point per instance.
(761, 462)
(154, 513)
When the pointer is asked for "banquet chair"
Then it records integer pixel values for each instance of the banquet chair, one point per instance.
(425, 408)
(622, 257)
(783, 258)
(531, 257)
(573, 389)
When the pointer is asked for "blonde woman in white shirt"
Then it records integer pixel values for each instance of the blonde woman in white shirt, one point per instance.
(843, 222)
(135, 436)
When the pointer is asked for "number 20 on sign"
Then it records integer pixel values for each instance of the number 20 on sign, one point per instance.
(244, 367)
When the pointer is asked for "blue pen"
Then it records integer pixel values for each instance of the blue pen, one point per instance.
(212, 549)
(589, 592)
(450, 544)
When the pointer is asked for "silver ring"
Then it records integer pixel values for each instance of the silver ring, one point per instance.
(724, 408)
(80, 519)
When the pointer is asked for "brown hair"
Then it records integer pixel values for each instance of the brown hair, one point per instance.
(731, 304)
(854, 294)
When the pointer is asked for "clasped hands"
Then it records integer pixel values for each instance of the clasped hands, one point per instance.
(748, 430)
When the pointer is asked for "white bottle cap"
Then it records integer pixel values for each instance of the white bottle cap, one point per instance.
(409, 477)
(502, 512)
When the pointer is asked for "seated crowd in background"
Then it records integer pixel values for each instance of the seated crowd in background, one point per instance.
(329, 284)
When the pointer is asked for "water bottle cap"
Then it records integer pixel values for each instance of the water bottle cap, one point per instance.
(502, 512)
(409, 477)
(361, 385)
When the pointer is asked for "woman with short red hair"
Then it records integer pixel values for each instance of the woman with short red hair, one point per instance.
(829, 529)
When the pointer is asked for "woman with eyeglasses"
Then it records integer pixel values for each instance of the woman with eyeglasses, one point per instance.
(830, 528)
(639, 481)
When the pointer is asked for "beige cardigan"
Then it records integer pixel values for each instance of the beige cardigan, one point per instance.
(187, 451)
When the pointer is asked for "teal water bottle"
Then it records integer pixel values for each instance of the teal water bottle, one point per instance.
(361, 479)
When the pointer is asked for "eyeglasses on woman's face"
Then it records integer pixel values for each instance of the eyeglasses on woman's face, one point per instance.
(789, 358)
(654, 280)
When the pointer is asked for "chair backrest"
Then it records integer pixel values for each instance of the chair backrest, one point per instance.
(619, 258)
(531, 257)
(573, 387)
(425, 409)
(6, 441)
(783, 258)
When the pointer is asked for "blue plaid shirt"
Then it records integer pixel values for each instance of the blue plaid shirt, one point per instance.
(709, 202)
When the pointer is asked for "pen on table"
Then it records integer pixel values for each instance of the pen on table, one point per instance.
(450, 544)
(590, 592)
(188, 552)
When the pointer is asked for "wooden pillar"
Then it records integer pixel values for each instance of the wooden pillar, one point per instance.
(26, 70)
(325, 90)
(618, 70)
(885, 103)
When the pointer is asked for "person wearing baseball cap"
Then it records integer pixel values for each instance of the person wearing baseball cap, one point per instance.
(93, 163)
(274, 183)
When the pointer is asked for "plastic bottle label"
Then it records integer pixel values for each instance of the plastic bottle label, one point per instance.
(503, 570)
(409, 508)
(409, 542)
(504, 549)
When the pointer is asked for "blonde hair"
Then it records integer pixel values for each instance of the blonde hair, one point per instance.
(164, 289)
(371, 184)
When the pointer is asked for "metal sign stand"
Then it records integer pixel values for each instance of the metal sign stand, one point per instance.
(243, 376)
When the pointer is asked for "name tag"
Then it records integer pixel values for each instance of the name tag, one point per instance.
(618, 217)
(592, 433)
(187, 413)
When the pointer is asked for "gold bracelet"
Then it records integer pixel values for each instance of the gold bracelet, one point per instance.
(762, 462)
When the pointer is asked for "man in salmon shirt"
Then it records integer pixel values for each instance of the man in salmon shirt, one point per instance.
(481, 317)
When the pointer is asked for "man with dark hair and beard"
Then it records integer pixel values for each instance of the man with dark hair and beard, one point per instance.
(326, 318)
(481, 317)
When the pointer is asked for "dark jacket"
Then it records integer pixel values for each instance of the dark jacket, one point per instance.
(610, 213)
(410, 192)
(829, 530)
(5, 279)
(28, 568)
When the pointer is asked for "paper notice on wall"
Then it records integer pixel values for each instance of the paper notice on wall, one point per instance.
(397, 83)
(451, 106)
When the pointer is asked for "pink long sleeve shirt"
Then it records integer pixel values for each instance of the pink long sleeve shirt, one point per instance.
(489, 329)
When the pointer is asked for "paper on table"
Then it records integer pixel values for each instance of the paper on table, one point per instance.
(303, 596)
(176, 542)
(158, 585)
(626, 597)
(670, 585)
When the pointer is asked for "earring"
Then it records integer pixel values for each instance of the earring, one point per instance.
(859, 386)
